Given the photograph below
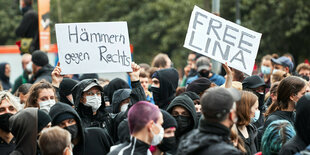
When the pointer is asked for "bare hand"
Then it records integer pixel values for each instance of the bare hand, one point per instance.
(134, 75)
(56, 77)
(229, 76)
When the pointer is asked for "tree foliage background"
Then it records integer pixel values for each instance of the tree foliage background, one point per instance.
(161, 25)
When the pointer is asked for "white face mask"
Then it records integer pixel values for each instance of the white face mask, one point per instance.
(46, 105)
(274, 71)
(256, 116)
(94, 102)
(124, 107)
(29, 67)
(159, 137)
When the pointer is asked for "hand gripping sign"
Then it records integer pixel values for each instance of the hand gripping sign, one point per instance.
(99, 47)
(222, 40)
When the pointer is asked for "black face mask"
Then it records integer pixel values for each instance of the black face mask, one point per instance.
(204, 73)
(167, 144)
(73, 129)
(261, 98)
(184, 125)
(198, 115)
(4, 122)
(156, 94)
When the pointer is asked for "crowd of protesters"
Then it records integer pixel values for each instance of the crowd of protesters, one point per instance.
(159, 111)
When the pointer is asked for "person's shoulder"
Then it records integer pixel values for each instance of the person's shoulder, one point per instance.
(117, 148)
(222, 149)
(290, 147)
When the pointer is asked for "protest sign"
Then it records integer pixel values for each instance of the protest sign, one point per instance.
(99, 47)
(222, 40)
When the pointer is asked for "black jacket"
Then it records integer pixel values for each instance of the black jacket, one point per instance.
(102, 118)
(293, 146)
(251, 141)
(93, 140)
(44, 73)
(280, 115)
(132, 147)
(209, 138)
(28, 28)
(168, 79)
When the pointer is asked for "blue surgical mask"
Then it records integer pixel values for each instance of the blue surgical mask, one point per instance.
(265, 70)
(256, 117)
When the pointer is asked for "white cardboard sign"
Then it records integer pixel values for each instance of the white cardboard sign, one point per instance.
(98, 47)
(222, 40)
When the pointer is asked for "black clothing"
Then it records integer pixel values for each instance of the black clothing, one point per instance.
(102, 118)
(5, 81)
(132, 147)
(280, 115)
(6, 148)
(64, 90)
(251, 141)
(114, 85)
(28, 28)
(293, 146)
(24, 125)
(302, 138)
(93, 140)
(168, 79)
(209, 138)
(44, 73)
(185, 102)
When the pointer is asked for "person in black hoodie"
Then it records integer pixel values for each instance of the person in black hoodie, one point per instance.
(121, 100)
(41, 69)
(26, 126)
(85, 140)
(165, 83)
(302, 125)
(212, 136)
(90, 105)
(5, 71)
(182, 108)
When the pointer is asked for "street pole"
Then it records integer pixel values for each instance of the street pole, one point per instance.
(216, 66)
(238, 20)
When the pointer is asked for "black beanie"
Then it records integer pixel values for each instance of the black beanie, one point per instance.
(58, 119)
(191, 95)
(199, 85)
(43, 120)
(39, 58)
(89, 76)
(169, 121)
(66, 86)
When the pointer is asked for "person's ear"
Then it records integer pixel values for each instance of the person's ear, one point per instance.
(292, 97)
(287, 69)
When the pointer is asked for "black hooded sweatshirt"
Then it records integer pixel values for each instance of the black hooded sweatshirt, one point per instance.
(168, 79)
(44, 73)
(114, 85)
(5, 81)
(24, 126)
(93, 140)
(188, 104)
(102, 118)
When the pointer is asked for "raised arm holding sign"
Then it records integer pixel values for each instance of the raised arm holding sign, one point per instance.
(93, 47)
(222, 40)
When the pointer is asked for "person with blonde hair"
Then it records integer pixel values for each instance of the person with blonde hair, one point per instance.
(8, 107)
